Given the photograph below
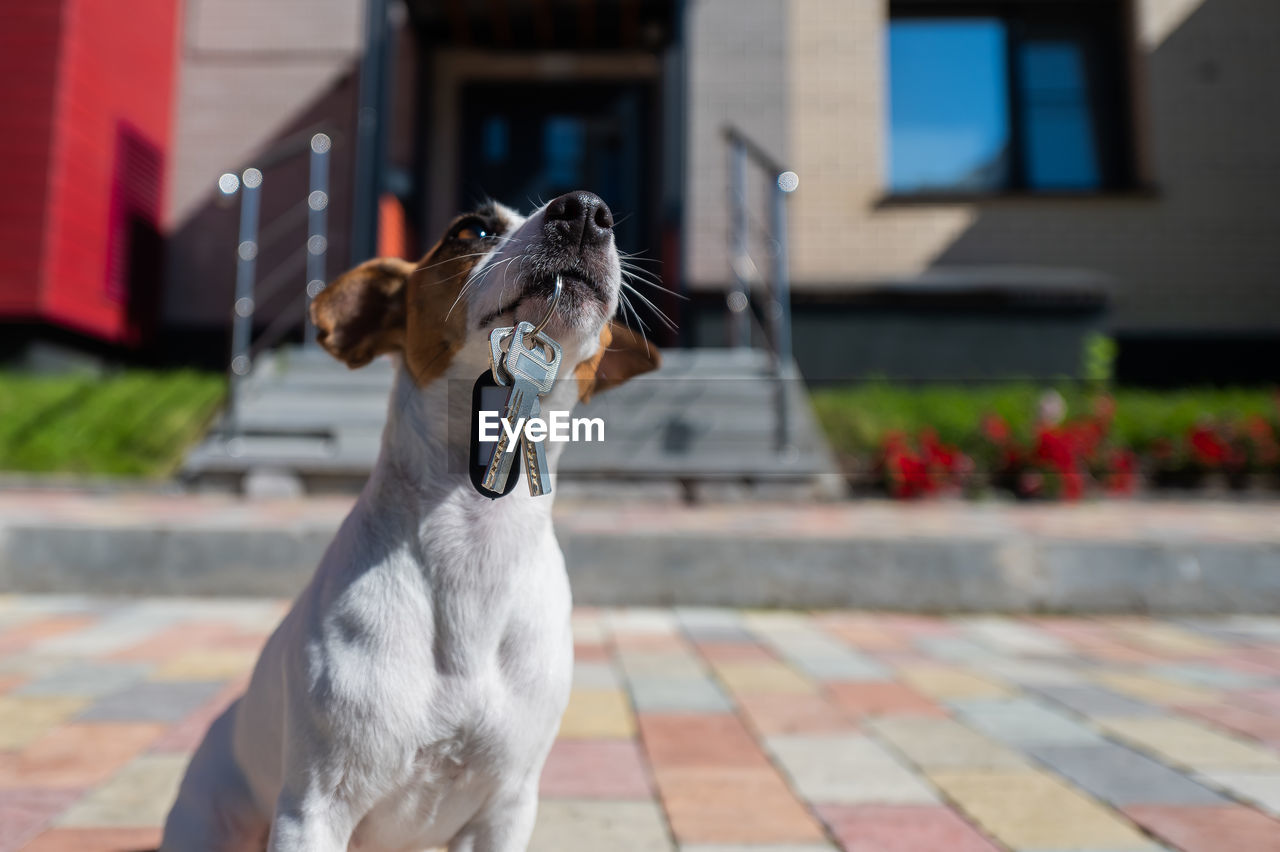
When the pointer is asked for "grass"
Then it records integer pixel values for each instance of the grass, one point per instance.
(130, 423)
(857, 418)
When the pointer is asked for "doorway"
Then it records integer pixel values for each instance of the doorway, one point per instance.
(526, 143)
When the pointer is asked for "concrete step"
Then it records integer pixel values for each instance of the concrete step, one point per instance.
(707, 414)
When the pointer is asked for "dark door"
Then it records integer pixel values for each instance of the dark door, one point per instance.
(525, 143)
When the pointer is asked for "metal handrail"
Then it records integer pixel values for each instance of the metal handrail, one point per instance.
(781, 182)
(249, 289)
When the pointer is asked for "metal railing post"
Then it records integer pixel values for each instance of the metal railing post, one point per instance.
(739, 298)
(317, 228)
(246, 261)
(780, 309)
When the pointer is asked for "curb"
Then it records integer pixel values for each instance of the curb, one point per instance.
(813, 556)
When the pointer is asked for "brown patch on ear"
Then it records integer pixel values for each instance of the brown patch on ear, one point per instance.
(623, 354)
(362, 314)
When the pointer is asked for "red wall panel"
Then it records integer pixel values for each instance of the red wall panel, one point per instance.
(115, 97)
(101, 83)
(29, 42)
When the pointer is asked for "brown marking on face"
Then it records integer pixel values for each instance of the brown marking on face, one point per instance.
(623, 354)
(388, 304)
(437, 316)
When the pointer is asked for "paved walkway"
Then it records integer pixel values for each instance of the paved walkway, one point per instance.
(723, 730)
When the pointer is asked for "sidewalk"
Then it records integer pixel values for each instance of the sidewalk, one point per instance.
(708, 730)
(1119, 556)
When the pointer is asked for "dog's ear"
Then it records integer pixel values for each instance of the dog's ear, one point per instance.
(623, 354)
(362, 314)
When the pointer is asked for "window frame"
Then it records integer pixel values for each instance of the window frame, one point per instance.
(1102, 27)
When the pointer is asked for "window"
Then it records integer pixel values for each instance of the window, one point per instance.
(1015, 96)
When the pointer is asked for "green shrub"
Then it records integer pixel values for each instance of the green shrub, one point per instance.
(129, 423)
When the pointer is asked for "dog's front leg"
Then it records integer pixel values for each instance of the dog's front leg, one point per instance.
(504, 825)
(304, 823)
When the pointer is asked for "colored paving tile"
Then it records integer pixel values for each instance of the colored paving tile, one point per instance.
(882, 699)
(77, 755)
(621, 826)
(688, 740)
(1242, 720)
(20, 636)
(657, 694)
(97, 839)
(1228, 828)
(1121, 776)
(943, 743)
(945, 682)
(784, 713)
(770, 847)
(151, 701)
(1261, 789)
(1089, 700)
(849, 769)
(24, 718)
(1021, 722)
(24, 813)
(1035, 810)
(902, 828)
(596, 769)
(206, 665)
(1156, 690)
(85, 678)
(734, 806)
(137, 795)
(595, 674)
(1191, 745)
(602, 713)
(720, 651)
(746, 678)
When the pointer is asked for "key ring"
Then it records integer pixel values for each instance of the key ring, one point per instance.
(551, 309)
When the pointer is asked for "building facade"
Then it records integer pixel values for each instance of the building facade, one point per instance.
(982, 182)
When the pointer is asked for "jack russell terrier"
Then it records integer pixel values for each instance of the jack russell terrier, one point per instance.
(411, 695)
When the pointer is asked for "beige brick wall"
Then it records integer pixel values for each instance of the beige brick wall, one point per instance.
(249, 68)
(251, 73)
(737, 73)
(1201, 253)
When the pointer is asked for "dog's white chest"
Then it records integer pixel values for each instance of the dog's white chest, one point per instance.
(477, 738)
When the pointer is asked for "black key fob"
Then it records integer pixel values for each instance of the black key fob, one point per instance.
(488, 395)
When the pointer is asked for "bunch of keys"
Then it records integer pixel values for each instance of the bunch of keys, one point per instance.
(529, 367)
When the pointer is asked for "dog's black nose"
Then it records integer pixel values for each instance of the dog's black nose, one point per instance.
(579, 218)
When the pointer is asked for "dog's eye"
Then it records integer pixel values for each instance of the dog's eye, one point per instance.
(469, 230)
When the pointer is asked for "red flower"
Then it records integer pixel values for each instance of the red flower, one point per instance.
(1209, 449)
(995, 429)
(908, 475)
(1054, 446)
(1122, 476)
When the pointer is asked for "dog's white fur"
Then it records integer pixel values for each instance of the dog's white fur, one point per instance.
(409, 698)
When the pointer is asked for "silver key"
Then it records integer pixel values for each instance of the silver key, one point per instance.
(529, 362)
(496, 354)
(531, 374)
(533, 365)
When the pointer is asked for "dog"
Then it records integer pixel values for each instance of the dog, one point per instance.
(410, 697)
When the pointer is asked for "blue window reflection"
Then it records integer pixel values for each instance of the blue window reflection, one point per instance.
(1005, 101)
(949, 111)
(564, 146)
(1061, 150)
